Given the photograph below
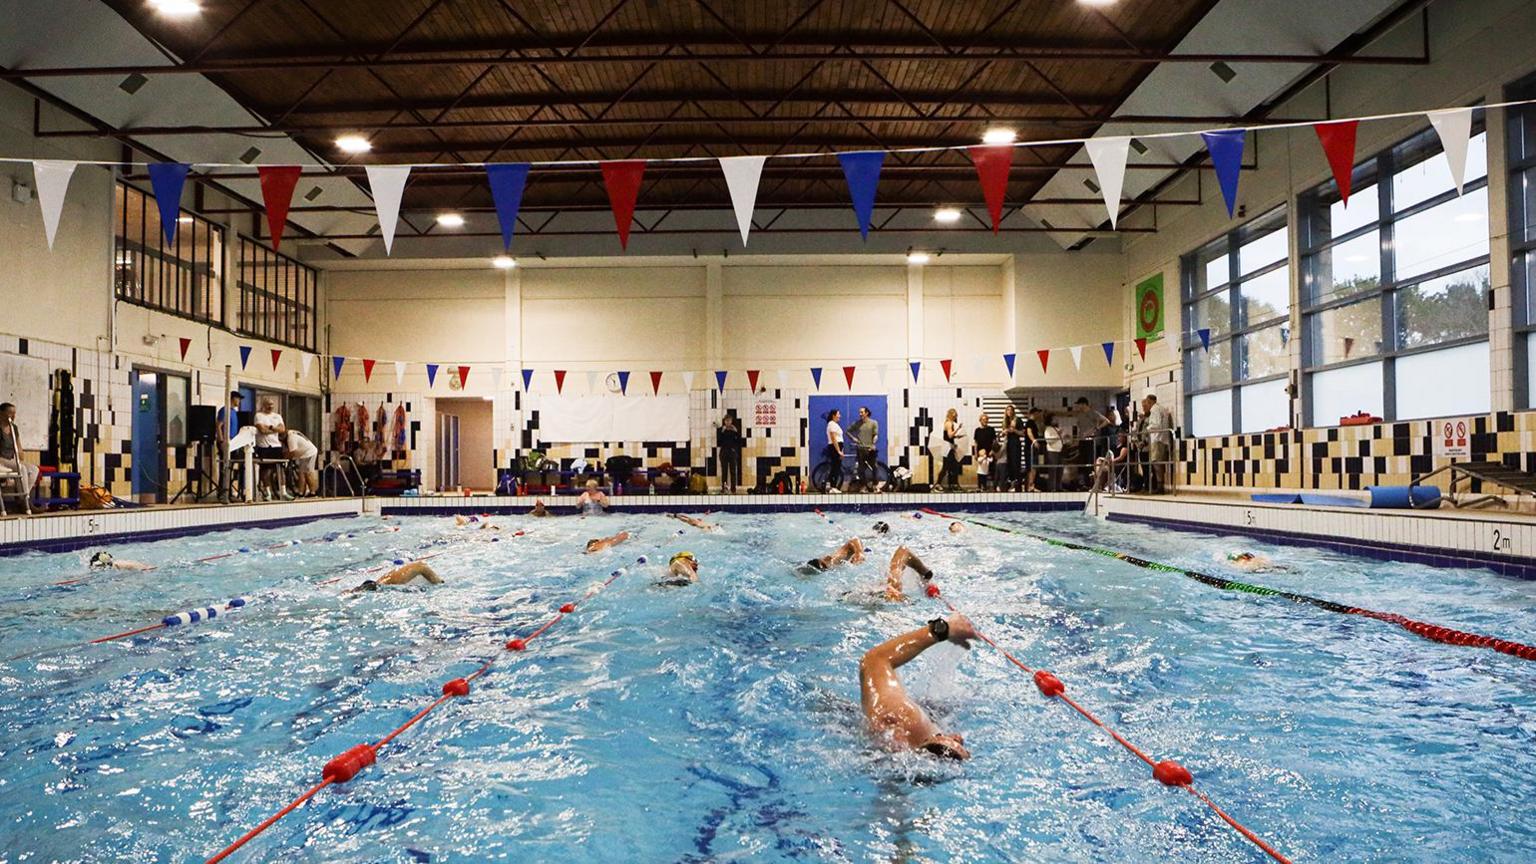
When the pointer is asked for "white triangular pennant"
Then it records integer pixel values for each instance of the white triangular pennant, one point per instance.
(783, 379)
(1077, 356)
(741, 176)
(305, 359)
(687, 382)
(592, 381)
(399, 372)
(387, 183)
(1108, 156)
(882, 370)
(1454, 126)
(52, 177)
(496, 373)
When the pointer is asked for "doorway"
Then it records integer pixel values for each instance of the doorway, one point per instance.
(466, 446)
(159, 421)
(848, 406)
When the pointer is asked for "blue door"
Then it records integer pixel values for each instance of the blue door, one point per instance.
(148, 437)
(849, 405)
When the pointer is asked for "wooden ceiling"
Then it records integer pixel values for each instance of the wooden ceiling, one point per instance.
(454, 81)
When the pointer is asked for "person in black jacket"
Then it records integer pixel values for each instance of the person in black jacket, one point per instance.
(730, 443)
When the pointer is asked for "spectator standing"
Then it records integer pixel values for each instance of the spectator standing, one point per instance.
(269, 446)
(1013, 448)
(834, 452)
(984, 450)
(1158, 421)
(1053, 445)
(729, 442)
(866, 434)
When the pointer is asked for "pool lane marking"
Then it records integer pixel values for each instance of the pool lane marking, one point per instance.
(1167, 771)
(346, 765)
(1432, 632)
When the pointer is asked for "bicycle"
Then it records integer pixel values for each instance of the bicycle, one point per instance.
(823, 470)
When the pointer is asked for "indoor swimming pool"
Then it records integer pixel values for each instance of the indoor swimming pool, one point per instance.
(721, 721)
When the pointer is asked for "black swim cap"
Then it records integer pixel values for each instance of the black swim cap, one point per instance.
(882, 528)
(369, 585)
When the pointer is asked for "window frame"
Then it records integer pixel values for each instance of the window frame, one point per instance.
(1379, 169)
(1520, 167)
(139, 250)
(260, 312)
(1191, 265)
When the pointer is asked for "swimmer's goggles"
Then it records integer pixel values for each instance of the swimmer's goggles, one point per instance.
(1239, 556)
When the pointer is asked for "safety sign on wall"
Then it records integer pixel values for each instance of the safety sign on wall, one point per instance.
(1453, 439)
(765, 413)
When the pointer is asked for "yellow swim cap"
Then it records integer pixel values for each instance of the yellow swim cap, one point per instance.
(687, 555)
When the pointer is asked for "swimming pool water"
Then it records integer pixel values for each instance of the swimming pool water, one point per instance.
(720, 722)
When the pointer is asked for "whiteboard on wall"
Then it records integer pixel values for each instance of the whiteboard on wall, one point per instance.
(24, 382)
(589, 419)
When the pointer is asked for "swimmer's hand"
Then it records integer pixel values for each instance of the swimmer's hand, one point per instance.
(961, 631)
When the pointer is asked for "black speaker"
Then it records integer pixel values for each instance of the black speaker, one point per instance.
(202, 423)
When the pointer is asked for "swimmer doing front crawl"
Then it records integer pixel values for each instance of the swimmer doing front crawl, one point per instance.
(414, 573)
(598, 544)
(891, 712)
(682, 570)
(851, 552)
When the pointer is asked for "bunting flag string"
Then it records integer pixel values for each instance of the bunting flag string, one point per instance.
(783, 379)
(752, 379)
(463, 376)
(528, 380)
(882, 370)
(622, 180)
(993, 162)
(1109, 353)
(1008, 360)
(387, 183)
(507, 181)
(848, 374)
(1108, 156)
(277, 354)
(624, 383)
(1141, 347)
(367, 370)
(1454, 126)
(1338, 140)
(946, 365)
(497, 371)
(592, 381)
(336, 364)
(277, 184)
(862, 172)
(559, 381)
(1045, 359)
(305, 360)
(1205, 337)
(742, 175)
(167, 180)
(1077, 356)
(431, 375)
(720, 380)
(1226, 149)
(816, 376)
(688, 382)
(917, 366)
(185, 344)
(245, 356)
(655, 383)
(52, 179)
(400, 372)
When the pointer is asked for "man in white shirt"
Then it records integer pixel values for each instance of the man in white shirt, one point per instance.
(1159, 429)
(303, 452)
(269, 446)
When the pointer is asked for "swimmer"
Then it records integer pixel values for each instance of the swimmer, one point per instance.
(956, 527)
(414, 573)
(539, 510)
(105, 561)
(882, 528)
(901, 559)
(695, 522)
(683, 569)
(891, 712)
(598, 544)
(1251, 563)
(851, 552)
(461, 520)
(592, 500)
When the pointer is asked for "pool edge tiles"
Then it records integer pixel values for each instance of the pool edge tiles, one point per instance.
(67, 532)
(1478, 540)
(1065, 502)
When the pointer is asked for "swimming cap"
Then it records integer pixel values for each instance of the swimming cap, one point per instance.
(101, 559)
(685, 555)
(369, 585)
(641, 560)
(399, 561)
(882, 528)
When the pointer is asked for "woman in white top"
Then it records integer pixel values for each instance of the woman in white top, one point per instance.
(1053, 445)
(834, 452)
(303, 452)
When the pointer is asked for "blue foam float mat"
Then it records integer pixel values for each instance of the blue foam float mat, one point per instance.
(1332, 501)
(1276, 498)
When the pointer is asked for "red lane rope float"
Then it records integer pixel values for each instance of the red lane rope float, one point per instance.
(349, 763)
(1432, 632)
(1166, 771)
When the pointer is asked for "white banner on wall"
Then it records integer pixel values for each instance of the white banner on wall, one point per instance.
(587, 419)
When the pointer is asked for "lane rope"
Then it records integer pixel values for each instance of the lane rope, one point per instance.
(350, 762)
(1432, 632)
(1166, 771)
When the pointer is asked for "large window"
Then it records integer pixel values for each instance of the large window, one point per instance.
(277, 297)
(185, 278)
(1238, 287)
(1394, 287)
(1522, 231)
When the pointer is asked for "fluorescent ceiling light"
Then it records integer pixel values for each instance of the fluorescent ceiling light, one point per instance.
(353, 144)
(999, 136)
(177, 8)
(917, 258)
(450, 220)
(947, 215)
(504, 262)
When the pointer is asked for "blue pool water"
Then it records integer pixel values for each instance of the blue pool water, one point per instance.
(720, 722)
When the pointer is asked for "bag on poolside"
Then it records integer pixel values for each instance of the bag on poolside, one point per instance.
(697, 484)
(533, 460)
(95, 498)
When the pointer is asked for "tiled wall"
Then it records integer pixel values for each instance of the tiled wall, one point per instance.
(1353, 457)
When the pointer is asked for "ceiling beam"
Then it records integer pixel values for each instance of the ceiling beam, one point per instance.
(667, 204)
(735, 96)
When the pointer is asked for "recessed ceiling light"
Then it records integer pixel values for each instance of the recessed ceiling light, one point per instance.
(177, 8)
(999, 136)
(917, 258)
(450, 220)
(504, 262)
(1097, 2)
(947, 215)
(353, 144)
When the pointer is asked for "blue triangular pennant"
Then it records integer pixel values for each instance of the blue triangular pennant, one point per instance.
(720, 379)
(816, 376)
(1008, 359)
(1109, 353)
(167, 178)
(245, 356)
(917, 366)
(1205, 337)
(507, 182)
(1226, 149)
(527, 379)
(624, 383)
(862, 171)
(431, 374)
(336, 366)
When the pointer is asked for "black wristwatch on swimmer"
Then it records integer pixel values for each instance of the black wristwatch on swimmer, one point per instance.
(938, 628)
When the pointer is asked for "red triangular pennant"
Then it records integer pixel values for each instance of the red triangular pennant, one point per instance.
(992, 164)
(1141, 348)
(752, 379)
(1045, 359)
(1338, 140)
(367, 370)
(946, 365)
(185, 344)
(277, 354)
(559, 380)
(848, 375)
(277, 182)
(622, 179)
(655, 382)
(463, 376)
